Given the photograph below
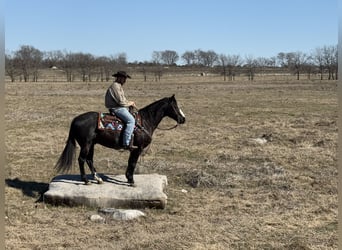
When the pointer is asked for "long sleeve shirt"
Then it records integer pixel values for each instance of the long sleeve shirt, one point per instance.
(115, 97)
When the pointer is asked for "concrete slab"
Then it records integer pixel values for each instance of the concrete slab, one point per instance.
(114, 192)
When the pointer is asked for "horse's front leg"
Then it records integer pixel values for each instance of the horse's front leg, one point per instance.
(132, 162)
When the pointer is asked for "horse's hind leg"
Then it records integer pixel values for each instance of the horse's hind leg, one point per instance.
(81, 159)
(90, 163)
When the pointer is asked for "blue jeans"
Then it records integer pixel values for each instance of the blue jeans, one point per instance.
(129, 120)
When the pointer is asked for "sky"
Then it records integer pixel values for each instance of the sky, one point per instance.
(259, 28)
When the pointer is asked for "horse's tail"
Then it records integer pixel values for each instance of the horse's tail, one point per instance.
(65, 161)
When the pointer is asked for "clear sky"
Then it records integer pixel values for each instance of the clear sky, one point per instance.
(139, 27)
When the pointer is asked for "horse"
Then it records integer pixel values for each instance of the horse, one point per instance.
(84, 129)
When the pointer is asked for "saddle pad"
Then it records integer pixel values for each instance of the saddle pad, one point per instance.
(108, 121)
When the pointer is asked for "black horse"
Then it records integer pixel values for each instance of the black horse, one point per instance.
(84, 129)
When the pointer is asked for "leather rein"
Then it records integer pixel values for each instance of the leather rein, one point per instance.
(175, 126)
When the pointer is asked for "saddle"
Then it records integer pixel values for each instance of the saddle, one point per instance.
(112, 122)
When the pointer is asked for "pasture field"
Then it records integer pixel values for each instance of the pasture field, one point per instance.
(225, 191)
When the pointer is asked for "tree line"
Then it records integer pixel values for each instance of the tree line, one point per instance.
(26, 62)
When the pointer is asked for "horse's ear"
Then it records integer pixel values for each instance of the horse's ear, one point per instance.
(172, 98)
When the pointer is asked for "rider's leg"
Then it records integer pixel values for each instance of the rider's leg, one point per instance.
(129, 120)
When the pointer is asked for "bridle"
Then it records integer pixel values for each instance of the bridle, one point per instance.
(175, 126)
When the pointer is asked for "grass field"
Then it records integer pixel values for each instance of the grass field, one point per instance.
(240, 194)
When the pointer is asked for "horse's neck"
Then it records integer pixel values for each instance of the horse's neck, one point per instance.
(152, 115)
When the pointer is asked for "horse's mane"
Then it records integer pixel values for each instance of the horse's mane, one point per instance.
(153, 105)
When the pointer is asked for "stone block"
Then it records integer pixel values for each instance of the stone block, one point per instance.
(114, 192)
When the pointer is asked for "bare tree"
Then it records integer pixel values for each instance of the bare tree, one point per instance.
(144, 71)
(229, 64)
(309, 67)
(251, 64)
(120, 60)
(68, 64)
(206, 58)
(330, 60)
(84, 64)
(282, 60)
(53, 58)
(156, 57)
(157, 69)
(317, 56)
(293, 61)
(224, 62)
(272, 61)
(299, 60)
(335, 62)
(29, 60)
(261, 64)
(232, 63)
(189, 57)
(169, 57)
(11, 66)
(101, 65)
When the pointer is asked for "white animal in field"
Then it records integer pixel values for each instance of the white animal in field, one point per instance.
(263, 139)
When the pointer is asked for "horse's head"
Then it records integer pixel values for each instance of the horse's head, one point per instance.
(174, 111)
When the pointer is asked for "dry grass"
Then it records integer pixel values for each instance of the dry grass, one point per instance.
(241, 194)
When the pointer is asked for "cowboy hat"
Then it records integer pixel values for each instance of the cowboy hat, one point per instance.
(121, 73)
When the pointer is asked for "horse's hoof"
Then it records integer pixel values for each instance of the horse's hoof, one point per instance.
(132, 184)
(87, 183)
(98, 179)
(130, 180)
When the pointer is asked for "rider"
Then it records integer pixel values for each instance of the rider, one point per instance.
(117, 103)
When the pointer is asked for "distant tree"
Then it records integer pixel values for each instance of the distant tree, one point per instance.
(206, 58)
(84, 64)
(272, 61)
(229, 63)
(158, 72)
(223, 62)
(261, 63)
(29, 60)
(318, 60)
(285, 60)
(157, 69)
(101, 64)
(300, 59)
(166, 57)
(120, 59)
(169, 57)
(330, 61)
(11, 66)
(115, 63)
(189, 57)
(68, 64)
(233, 61)
(309, 67)
(293, 61)
(144, 71)
(250, 64)
(156, 57)
(53, 58)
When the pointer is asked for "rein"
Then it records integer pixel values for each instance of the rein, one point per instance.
(175, 126)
